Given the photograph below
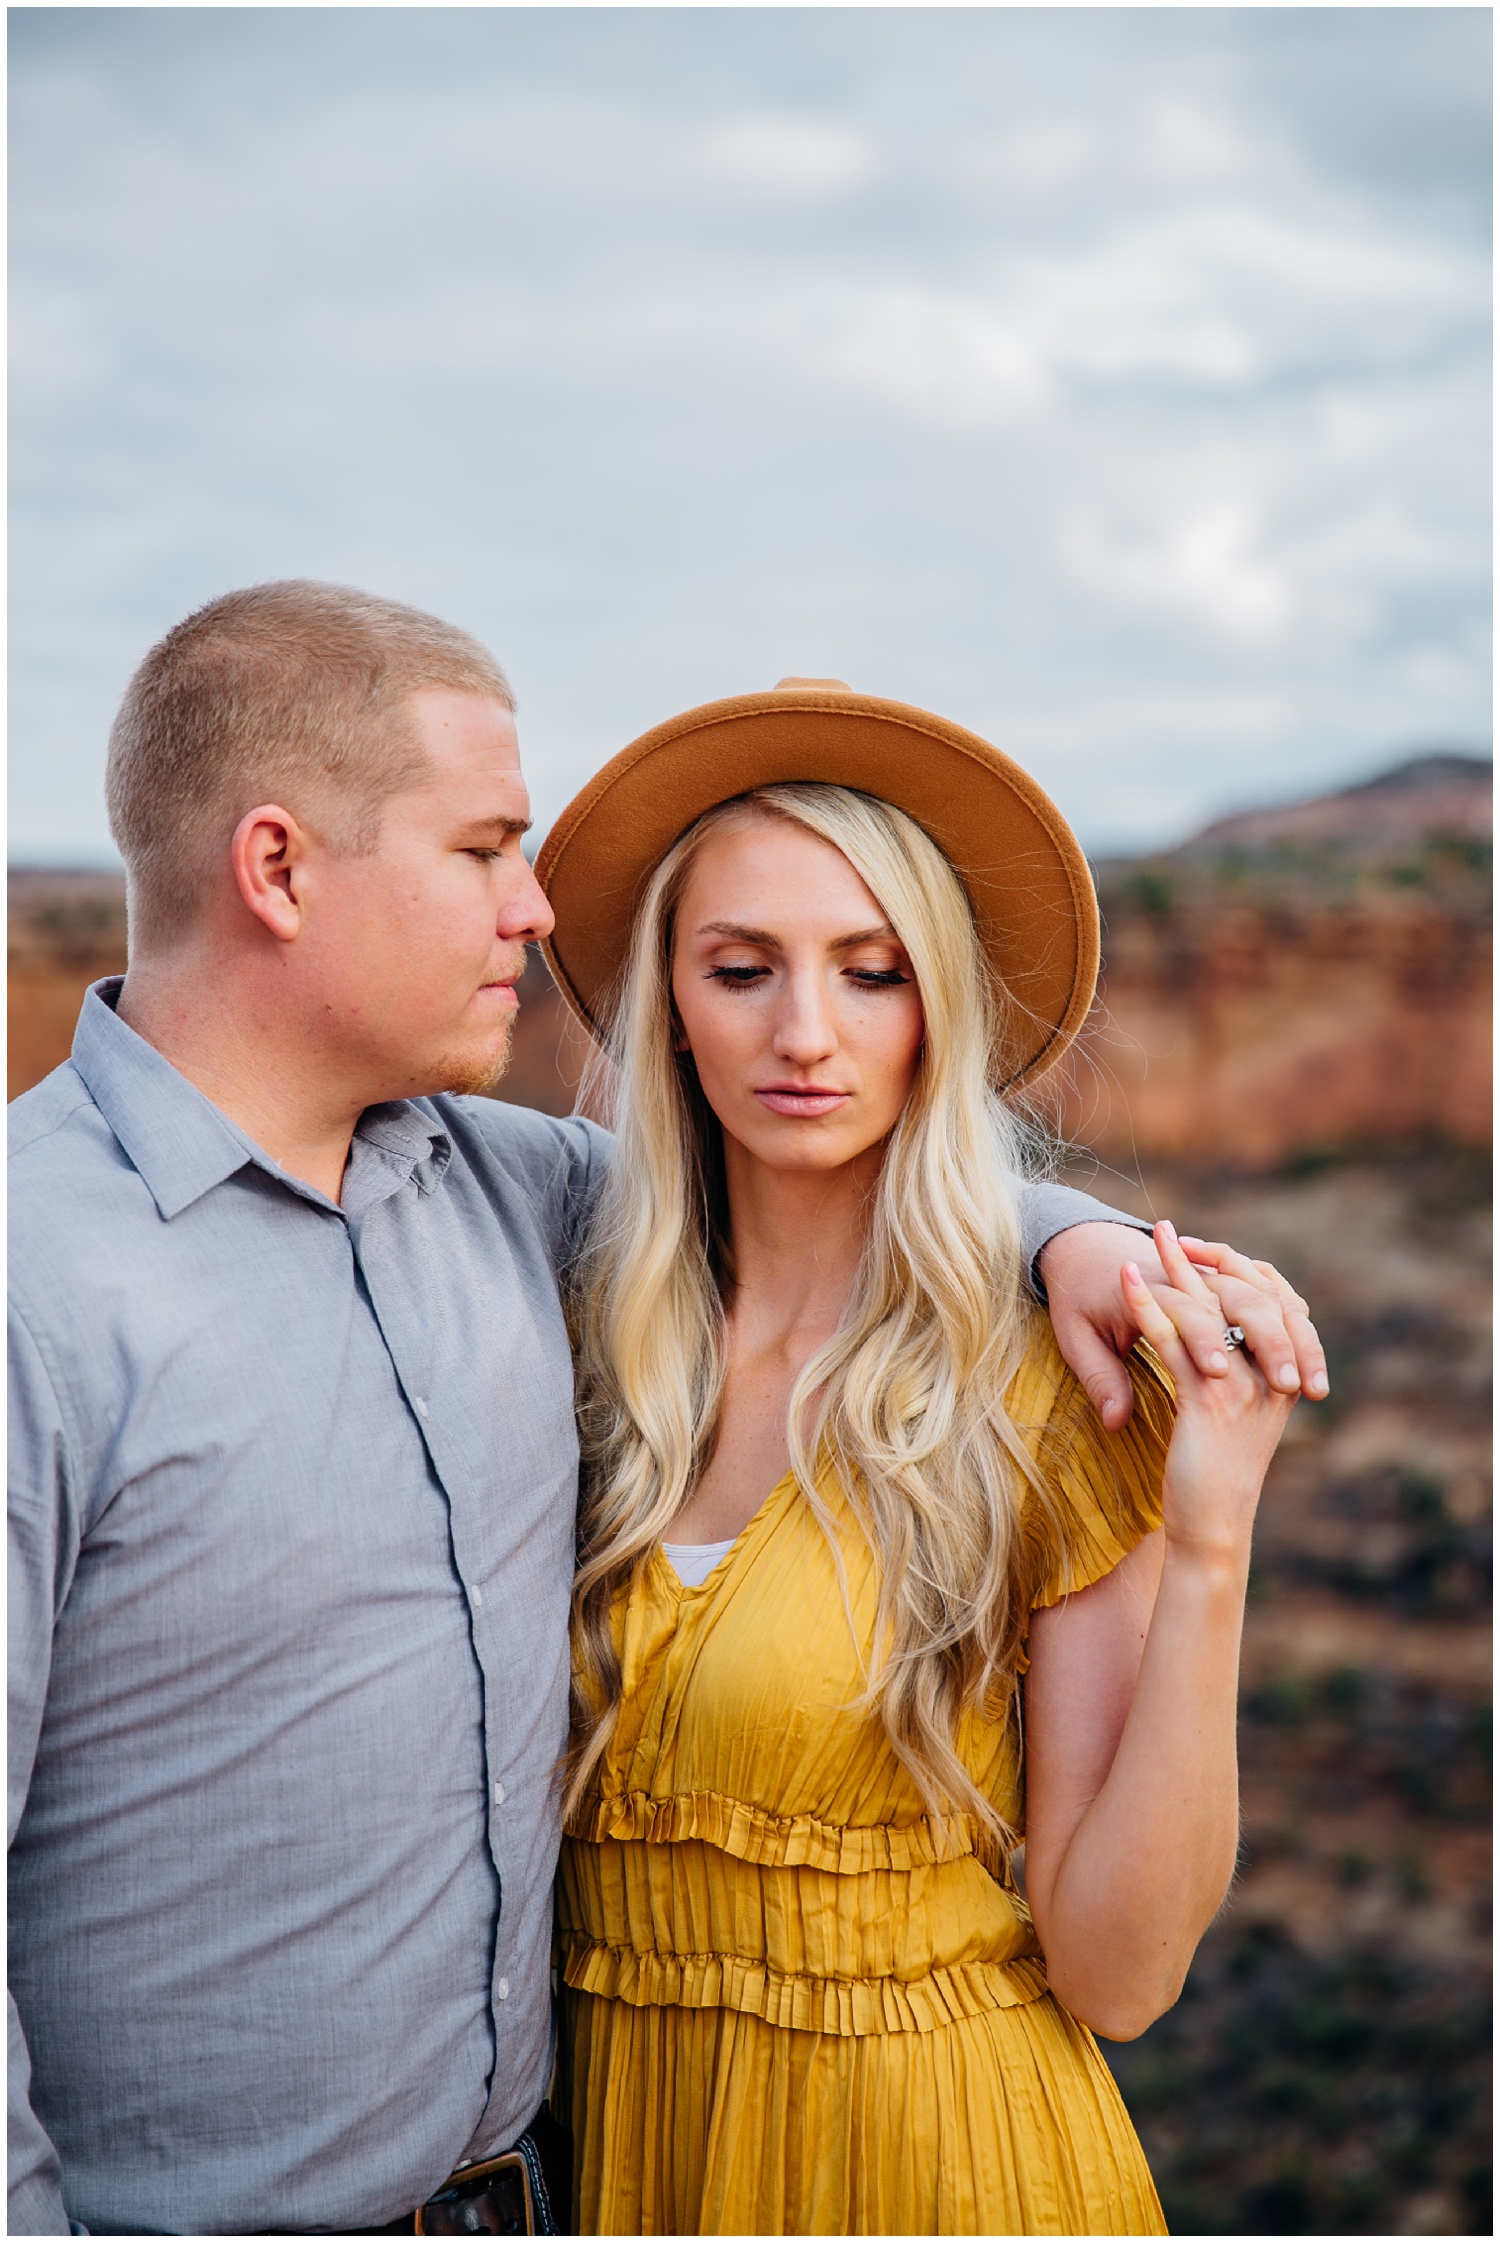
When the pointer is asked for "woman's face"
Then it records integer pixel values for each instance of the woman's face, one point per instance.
(793, 995)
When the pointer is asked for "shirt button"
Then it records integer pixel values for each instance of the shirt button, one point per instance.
(476, 1595)
(419, 1405)
(499, 1795)
(502, 1988)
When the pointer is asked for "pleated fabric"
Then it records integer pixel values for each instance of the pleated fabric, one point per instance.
(794, 2003)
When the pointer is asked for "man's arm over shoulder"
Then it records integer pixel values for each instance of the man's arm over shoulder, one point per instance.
(560, 1165)
(1046, 1210)
(563, 1164)
(43, 1549)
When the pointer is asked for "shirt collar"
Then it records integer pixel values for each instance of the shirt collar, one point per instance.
(180, 1142)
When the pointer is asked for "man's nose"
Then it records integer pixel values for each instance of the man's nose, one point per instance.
(525, 914)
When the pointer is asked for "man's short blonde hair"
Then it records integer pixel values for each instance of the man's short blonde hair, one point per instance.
(291, 693)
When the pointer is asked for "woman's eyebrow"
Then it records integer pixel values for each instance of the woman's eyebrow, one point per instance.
(736, 933)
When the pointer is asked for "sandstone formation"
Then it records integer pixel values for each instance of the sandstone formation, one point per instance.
(1309, 979)
(1313, 979)
(66, 930)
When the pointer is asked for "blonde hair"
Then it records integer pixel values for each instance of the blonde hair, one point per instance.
(905, 1404)
(289, 692)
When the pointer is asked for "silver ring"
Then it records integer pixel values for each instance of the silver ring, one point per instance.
(1234, 1337)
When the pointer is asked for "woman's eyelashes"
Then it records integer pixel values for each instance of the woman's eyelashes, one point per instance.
(737, 977)
(863, 977)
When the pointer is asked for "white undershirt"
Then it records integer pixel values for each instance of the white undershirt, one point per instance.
(693, 1562)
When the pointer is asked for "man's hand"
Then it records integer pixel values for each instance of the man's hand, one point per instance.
(1081, 1271)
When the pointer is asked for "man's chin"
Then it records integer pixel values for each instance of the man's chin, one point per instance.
(470, 1074)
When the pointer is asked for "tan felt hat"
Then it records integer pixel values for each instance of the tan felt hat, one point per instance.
(1026, 876)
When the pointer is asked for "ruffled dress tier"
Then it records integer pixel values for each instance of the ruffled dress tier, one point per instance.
(793, 2004)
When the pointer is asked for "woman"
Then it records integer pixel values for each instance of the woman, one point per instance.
(865, 1595)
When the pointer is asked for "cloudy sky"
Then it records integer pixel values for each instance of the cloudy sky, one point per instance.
(1113, 381)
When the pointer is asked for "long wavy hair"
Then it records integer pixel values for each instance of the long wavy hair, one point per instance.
(904, 1405)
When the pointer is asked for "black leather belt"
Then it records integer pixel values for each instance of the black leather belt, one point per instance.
(521, 2192)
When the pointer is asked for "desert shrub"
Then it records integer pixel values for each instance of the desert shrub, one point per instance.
(1292, 2096)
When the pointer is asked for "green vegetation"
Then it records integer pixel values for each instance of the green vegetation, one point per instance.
(1446, 860)
(1371, 1736)
(1285, 2096)
(1153, 891)
(1326, 2071)
(1452, 870)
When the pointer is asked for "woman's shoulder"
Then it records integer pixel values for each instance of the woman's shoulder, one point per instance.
(1100, 1492)
(1046, 1398)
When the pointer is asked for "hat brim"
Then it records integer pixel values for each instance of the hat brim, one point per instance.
(1026, 877)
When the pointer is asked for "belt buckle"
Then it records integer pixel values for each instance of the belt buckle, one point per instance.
(492, 2198)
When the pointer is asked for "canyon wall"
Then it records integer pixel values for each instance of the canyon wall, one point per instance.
(1311, 982)
(1299, 981)
(66, 929)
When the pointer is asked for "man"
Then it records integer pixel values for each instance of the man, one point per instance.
(294, 1465)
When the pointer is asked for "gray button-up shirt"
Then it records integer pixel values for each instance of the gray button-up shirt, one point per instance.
(292, 1505)
(293, 1490)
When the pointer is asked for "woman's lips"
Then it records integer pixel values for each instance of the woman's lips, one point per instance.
(810, 1105)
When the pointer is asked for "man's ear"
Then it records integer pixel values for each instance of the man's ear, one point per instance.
(268, 852)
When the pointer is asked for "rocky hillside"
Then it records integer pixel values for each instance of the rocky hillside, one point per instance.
(66, 930)
(1326, 2069)
(1303, 979)
(1309, 978)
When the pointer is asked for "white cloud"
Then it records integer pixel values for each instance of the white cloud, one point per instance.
(785, 157)
(1210, 564)
(1115, 380)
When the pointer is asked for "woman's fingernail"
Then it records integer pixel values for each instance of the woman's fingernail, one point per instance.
(1166, 1226)
(1287, 1377)
(1218, 1361)
(1132, 1272)
(1318, 1383)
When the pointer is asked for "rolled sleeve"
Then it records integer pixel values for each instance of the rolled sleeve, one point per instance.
(1045, 1210)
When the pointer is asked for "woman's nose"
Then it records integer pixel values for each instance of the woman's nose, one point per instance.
(804, 1022)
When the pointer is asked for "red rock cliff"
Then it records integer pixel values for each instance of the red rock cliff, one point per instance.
(1309, 978)
(1312, 978)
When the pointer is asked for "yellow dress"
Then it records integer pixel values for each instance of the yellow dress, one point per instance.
(790, 2008)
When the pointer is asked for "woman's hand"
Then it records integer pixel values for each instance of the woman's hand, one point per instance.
(1096, 1331)
(1227, 1425)
(1272, 1314)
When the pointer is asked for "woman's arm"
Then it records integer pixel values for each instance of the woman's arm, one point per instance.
(1132, 1815)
